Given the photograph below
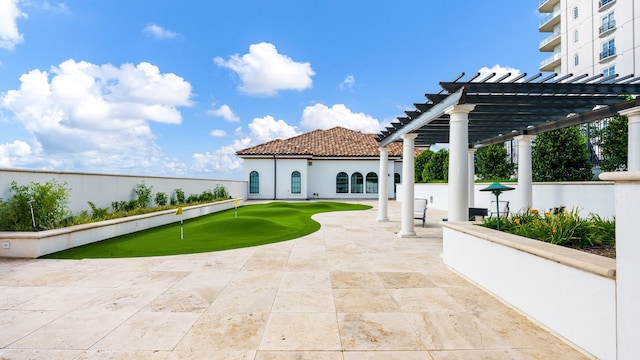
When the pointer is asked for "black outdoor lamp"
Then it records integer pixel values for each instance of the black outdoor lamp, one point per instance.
(496, 188)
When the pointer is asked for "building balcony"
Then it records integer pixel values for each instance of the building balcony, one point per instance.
(546, 6)
(605, 4)
(607, 28)
(550, 63)
(608, 53)
(550, 42)
(550, 21)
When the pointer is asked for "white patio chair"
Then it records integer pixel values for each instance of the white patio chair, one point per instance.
(420, 210)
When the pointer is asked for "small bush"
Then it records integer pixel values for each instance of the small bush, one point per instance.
(179, 196)
(96, 212)
(220, 192)
(49, 202)
(142, 195)
(161, 199)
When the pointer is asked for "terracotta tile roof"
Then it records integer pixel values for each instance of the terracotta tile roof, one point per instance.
(335, 142)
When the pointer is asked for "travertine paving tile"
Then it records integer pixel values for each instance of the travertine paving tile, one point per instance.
(32, 354)
(304, 301)
(355, 280)
(401, 280)
(122, 355)
(211, 355)
(387, 355)
(149, 331)
(256, 279)
(225, 332)
(76, 330)
(364, 301)
(11, 296)
(161, 279)
(126, 299)
(16, 324)
(299, 355)
(305, 280)
(183, 300)
(377, 331)
(424, 300)
(453, 330)
(232, 300)
(63, 298)
(301, 331)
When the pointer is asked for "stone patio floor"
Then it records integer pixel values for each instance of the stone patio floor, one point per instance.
(353, 290)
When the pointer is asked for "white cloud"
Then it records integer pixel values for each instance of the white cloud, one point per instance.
(320, 116)
(159, 32)
(218, 133)
(223, 160)
(347, 83)
(96, 117)
(267, 129)
(9, 14)
(264, 72)
(499, 70)
(224, 112)
(15, 153)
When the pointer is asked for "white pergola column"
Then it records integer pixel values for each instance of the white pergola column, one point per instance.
(383, 188)
(458, 161)
(627, 200)
(633, 153)
(525, 172)
(471, 154)
(408, 183)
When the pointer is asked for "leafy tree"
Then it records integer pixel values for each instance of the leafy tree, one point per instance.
(492, 163)
(142, 193)
(161, 199)
(50, 206)
(419, 163)
(614, 144)
(561, 155)
(437, 168)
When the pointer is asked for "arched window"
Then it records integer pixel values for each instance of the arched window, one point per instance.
(254, 182)
(356, 183)
(575, 12)
(372, 183)
(296, 188)
(396, 180)
(342, 183)
(576, 60)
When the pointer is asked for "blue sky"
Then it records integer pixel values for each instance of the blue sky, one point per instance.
(175, 88)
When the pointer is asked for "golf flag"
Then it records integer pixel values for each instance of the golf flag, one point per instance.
(236, 212)
(179, 211)
(237, 202)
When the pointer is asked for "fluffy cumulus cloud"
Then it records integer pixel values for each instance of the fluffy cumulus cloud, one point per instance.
(319, 116)
(224, 112)
(159, 32)
(264, 71)
(9, 14)
(218, 133)
(95, 117)
(499, 72)
(224, 160)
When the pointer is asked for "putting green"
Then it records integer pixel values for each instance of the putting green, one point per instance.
(254, 225)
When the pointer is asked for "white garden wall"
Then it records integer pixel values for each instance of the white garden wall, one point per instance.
(103, 189)
(589, 196)
(36, 244)
(569, 292)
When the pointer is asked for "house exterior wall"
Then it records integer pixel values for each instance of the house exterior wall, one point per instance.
(317, 176)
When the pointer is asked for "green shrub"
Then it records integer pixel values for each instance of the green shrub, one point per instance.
(179, 196)
(142, 195)
(563, 228)
(96, 212)
(161, 199)
(220, 192)
(49, 202)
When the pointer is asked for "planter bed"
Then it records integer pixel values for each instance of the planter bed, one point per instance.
(570, 292)
(36, 244)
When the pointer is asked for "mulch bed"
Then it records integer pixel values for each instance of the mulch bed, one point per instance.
(604, 250)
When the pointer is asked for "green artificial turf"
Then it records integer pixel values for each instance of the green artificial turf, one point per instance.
(254, 225)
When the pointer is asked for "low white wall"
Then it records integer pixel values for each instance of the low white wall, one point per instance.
(103, 189)
(36, 244)
(589, 196)
(570, 292)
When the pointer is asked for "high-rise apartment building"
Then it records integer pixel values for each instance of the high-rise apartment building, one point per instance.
(591, 36)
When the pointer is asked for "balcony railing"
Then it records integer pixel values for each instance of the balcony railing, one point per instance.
(602, 3)
(607, 53)
(549, 17)
(549, 39)
(606, 27)
(550, 59)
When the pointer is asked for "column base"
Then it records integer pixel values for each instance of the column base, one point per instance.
(382, 219)
(411, 234)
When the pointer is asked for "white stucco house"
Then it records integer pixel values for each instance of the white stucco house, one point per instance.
(335, 164)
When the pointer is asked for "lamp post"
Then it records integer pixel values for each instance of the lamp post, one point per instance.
(496, 188)
(33, 218)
